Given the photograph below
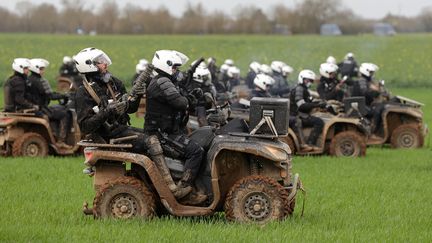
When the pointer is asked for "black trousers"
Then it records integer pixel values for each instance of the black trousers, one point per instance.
(317, 125)
(181, 147)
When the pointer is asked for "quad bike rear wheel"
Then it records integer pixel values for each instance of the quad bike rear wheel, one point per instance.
(348, 144)
(406, 136)
(257, 199)
(30, 144)
(124, 198)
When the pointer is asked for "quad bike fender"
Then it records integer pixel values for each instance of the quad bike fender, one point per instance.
(15, 126)
(273, 150)
(409, 111)
(166, 196)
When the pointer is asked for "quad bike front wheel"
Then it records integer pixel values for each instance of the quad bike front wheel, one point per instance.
(31, 145)
(348, 144)
(124, 198)
(257, 199)
(406, 136)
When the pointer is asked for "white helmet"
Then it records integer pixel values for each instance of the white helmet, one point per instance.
(306, 74)
(229, 62)
(287, 70)
(277, 66)
(331, 60)
(141, 66)
(165, 60)
(262, 81)
(202, 75)
(327, 68)
(211, 60)
(67, 59)
(254, 66)
(87, 59)
(367, 69)
(349, 55)
(202, 64)
(233, 72)
(224, 68)
(37, 63)
(264, 68)
(20, 63)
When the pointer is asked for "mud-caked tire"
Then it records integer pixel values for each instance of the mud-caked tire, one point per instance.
(348, 144)
(124, 198)
(30, 145)
(407, 136)
(257, 199)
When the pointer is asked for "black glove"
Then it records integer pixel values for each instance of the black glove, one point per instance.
(117, 107)
(138, 89)
(192, 100)
(197, 93)
(322, 105)
(330, 109)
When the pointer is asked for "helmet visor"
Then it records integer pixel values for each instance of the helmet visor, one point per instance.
(102, 59)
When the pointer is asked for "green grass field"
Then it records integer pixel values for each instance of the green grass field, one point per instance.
(385, 196)
(403, 59)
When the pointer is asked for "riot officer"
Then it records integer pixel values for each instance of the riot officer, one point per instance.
(263, 84)
(280, 87)
(15, 87)
(166, 118)
(102, 103)
(202, 79)
(348, 67)
(40, 93)
(212, 67)
(329, 87)
(365, 86)
(69, 70)
(301, 105)
(250, 76)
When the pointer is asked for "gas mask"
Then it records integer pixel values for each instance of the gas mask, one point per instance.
(178, 76)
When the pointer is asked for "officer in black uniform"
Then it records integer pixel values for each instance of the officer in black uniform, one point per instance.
(263, 84)
(15, 87)
(40, 93)
(250, 76)
(68, 70)
(201, 79)
(348, 67)
(166, 117)
(329, 87)
(365, 87)
(301, 105)
(212, 67)
(101, 103)
(280, 87)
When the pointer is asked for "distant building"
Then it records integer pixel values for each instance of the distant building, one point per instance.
(281, 29)
(330, 29)
(384, 29)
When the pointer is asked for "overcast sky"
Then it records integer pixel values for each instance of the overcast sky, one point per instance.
(365, 8)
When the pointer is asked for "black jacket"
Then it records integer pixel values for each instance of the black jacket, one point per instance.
(40, 92)
(14, 93)
(301, 100)
(166, 107)
(327, 89)
(102, 123)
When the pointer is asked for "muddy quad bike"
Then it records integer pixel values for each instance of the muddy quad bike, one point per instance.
(341, 135)
(25, 134)
(402, 120)
(247, 175)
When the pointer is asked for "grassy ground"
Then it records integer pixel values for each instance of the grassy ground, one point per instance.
(383, 197)
(403, 59)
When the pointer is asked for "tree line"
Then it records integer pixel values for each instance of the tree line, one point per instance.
(304, 18)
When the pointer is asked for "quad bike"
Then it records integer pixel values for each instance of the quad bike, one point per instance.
(341, 135)
(246, 175)
(402, 121)
(25, 134)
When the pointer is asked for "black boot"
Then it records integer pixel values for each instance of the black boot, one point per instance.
(194, 198)
(156, 154)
